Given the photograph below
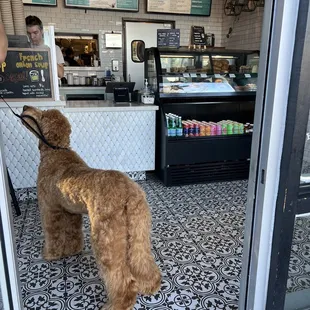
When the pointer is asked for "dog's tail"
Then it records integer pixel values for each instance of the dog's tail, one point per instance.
(141, 262)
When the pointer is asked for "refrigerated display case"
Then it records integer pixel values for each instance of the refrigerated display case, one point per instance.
(194, 98)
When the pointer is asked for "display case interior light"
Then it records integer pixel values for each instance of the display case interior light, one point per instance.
(178, 56)
(224, 57)
(74, 37)
(68, 37)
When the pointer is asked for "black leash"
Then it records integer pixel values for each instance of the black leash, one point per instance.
(40, 133)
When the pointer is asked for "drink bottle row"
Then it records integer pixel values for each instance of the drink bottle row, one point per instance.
(193, 128)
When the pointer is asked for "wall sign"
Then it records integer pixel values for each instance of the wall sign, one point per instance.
(168, 38)
(198, 35)
(187, 7)
(26, 74)
(41, 2)
(116, 5)
(113, 40)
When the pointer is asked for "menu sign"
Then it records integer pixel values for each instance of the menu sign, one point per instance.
(41, 2)
(121, 5)
(168, 38)
(198, 35)
(26, 74)
(188, 7)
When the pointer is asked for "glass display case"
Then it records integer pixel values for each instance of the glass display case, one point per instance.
(206, 111)
(200, 72)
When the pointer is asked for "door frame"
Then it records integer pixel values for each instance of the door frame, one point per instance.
(288, 200)
(138, 20)
(9, 271)
(277, 49)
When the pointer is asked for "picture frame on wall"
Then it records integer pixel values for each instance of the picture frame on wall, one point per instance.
(40, 2)
(107, 5)
(180, 7)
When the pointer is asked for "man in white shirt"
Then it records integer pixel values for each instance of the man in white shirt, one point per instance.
(35, 33)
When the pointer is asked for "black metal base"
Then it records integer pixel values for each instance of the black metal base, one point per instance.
(206, 172)
(14, 199)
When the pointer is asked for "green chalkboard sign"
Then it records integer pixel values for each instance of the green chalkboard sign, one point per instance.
(41, 2)
(114, 5)
(26, 75)
(186, 7)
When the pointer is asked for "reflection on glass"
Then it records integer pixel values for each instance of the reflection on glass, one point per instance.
(305, 170)
(298, 284)
(1, 304)
(137, 50)
(185, 63)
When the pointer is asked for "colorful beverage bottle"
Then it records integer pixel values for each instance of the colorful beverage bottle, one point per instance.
(229, 128)
(218, 130)
(179, 127)
(185, 126)
(235, 128)
(207, 128)
(191, 129)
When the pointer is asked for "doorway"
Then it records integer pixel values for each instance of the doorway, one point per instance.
(179, 226)
(143, 30)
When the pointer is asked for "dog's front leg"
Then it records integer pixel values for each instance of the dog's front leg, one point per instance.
(62, 232)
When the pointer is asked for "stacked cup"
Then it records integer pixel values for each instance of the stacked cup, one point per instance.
(6, 16)
(18, 17)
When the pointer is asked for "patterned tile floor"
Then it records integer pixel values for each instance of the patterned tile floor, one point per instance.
(197, 241)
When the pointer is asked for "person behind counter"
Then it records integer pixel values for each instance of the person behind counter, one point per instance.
(3, 43)
(69, 58)
(35, 33)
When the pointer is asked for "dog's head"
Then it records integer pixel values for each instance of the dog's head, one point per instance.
(53, 125)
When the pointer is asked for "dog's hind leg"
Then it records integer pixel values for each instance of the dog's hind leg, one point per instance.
(62, 232)
(74, 234)
(141, 261)
(110, 244)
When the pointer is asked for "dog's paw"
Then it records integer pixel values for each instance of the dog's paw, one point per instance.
(111, 307)
(51, 256)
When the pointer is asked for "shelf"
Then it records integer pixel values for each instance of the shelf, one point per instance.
(196, 150)
(206, 172)
(248, 94)
(207, 138)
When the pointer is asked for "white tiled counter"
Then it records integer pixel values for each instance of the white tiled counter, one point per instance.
(104, 134)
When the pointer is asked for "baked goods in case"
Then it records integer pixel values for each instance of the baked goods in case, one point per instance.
(220, 65)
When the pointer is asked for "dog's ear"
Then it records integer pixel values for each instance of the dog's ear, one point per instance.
(56, 128)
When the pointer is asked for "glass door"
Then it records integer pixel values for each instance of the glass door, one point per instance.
(288, 267)
(298, 277)
(10, 295)
(273, 252)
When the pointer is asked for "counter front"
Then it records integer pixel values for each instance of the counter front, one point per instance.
(104, 134)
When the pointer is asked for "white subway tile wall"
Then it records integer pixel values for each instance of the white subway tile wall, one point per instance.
(246, 33)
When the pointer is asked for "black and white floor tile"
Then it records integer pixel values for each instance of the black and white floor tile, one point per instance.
(197, 241)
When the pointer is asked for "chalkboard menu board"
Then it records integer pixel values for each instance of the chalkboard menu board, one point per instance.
(117, 5)
(41, 2)
(26, 75)
(168, 38)
(187, 7)
(198, 35)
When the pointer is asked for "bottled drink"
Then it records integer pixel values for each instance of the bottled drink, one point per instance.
(179, 127)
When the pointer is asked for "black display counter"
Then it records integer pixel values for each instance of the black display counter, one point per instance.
(200, 158)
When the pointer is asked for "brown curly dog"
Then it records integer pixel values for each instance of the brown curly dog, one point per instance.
(118, 211)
